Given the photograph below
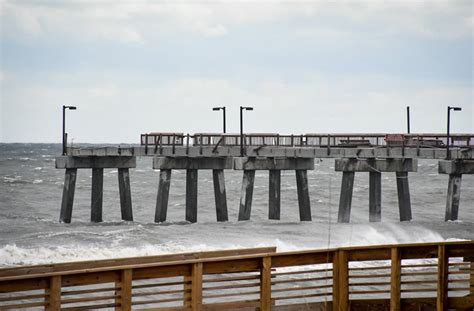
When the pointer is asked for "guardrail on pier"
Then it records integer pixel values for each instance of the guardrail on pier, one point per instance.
(399, 277)
(422, 140)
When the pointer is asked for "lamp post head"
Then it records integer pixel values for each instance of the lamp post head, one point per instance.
(217, 108)
(455, 108)
(246, 108)
(70, 107)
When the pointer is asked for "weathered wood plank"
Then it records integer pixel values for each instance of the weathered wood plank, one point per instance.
(97, 194)
(68, 195)
(345, 200)
(196, 286)
(246, 195)
(274, 200)
(220, 195)
(163, 195)
(442, 287)
(191, 195)
(303, 195)
(265, 284)
(125, 194)
(395, 280)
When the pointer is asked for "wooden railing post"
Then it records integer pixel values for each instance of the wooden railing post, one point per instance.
(124, 299)
(395, 280)
(340, 281)
(266, 284)
(53, 297)
(442, 294)
(196, 286)
(187, 289)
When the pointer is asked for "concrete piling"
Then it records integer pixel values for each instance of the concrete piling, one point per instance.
(220, 195)
(403, 191)
(163, 195)
(97, 194)
(246, 195)
(453, 197)
(303, 195)
(68, 195)
(455, 169)
(375, 196)
(345, 200)
(125, 194)
(274, 200)
(191, 194)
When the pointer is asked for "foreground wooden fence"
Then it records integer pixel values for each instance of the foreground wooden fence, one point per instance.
(430, 276)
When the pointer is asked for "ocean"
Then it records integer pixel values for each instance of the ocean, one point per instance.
(31, 190)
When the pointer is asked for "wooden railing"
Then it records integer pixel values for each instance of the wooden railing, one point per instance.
(395, 277)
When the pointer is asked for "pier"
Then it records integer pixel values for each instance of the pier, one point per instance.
(362, 153)
(422, 276)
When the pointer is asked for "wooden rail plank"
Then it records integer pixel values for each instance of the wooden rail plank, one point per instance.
(442, 287)
(265, 284)
(395, 280)
(196, 286)
(54, 293)
(340, 291)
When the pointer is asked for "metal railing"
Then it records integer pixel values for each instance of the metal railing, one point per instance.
(423, 140)
(439, 275)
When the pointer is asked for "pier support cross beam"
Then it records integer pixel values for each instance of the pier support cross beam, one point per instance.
(125, 194)
(274, 194)
(246, 195)
(97, 194)
(68, 195)
(220, 195)
(191, 195)
(163, 195)
(375, 167)
(455, 169)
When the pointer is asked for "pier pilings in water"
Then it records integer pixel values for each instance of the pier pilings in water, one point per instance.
(375, 168)
(191, 165)
(274, 165)
(97, 164)
(455, 169)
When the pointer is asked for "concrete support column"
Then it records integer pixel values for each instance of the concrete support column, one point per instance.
(246, 195)
(68, 195)
(375, 196)
(274, 200)
(345, 200)
(125, 194)
(454, 194)
(163, 195)
(303, 195)
(220, 195)
(404, 203)
(97, 194)
(191, 194)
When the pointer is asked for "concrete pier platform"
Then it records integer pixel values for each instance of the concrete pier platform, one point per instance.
(375, 168)
(97, 164)
(192, 166)
(274, 165)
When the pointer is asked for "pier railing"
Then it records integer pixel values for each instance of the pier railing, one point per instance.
(422, 140)
(398, 277)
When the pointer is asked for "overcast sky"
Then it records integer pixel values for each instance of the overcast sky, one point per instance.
(306, 67)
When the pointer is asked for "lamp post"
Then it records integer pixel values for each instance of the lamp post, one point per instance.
(223, 116)
(408, 119)
(64, 126)
(242, 128)
(448, 143)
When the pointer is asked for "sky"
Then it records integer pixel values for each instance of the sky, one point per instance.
(134, 67)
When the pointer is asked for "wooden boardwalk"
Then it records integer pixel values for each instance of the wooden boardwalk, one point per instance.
(427, 276)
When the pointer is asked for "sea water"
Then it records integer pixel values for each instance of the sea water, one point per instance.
(31, 190)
